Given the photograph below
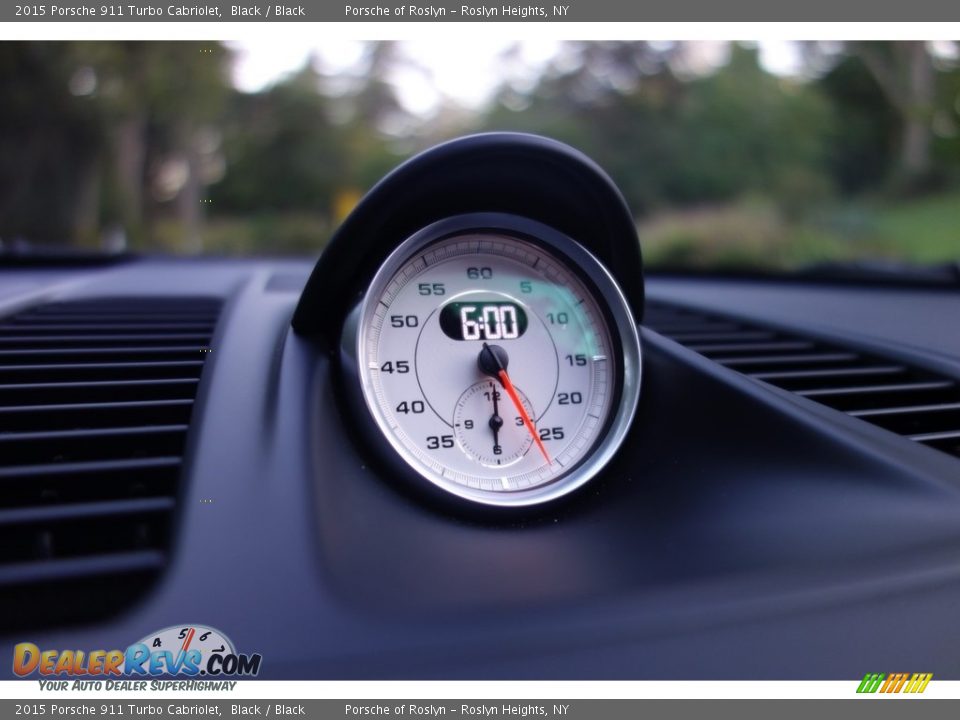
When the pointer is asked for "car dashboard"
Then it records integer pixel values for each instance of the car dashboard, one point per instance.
(784, 504)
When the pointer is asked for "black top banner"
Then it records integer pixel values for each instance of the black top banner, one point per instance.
(741, 11)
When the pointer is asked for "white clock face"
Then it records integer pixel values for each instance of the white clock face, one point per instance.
(184, 638)
(490, 366)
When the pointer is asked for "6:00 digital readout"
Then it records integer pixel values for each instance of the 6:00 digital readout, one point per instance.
(483, 320)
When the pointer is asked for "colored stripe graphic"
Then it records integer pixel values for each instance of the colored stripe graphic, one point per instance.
(894, 683)
(870, 682)
(918, 683)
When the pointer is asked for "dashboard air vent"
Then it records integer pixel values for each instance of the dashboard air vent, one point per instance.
(907, 400)
(95, 402)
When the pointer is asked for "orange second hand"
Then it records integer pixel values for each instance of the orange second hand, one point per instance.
(511, 391)
(186, 642)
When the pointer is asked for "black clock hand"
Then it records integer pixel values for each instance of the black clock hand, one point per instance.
(496, 422)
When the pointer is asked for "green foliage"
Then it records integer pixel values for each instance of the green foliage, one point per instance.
(285, 154)
(923, 230)
(281, 151)
(86, 124)
(279, 234)
(49, 142)
(752, 233)
(744, 130)
(946, 124)
(863, 136)
(673, 142)
(726, 165)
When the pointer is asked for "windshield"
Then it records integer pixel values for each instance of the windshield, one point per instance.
(770, 156)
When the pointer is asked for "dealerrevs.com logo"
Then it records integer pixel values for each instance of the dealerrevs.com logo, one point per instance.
(181, 650)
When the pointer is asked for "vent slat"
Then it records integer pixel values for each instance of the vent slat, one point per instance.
(147, 354)
(137, 326)
(119, 340)
(690, 337)
(88, 467)
(58, 449)
(90, 434)
(81, 415)
(110, 366)
(918, 420)
(92, 407)
(97, 391)
(169, 369)
(809, 358)
(930, 437)
(908, 409)
(86, 567)
(912, 402)
(825, 374)
(95, 403)
(116, 337)
(122, 309)
(142, 303)
(95, 315)
(821, 379)
(745, 347)
(82, 333)
(93, 482)
(113, 508)
(870, 389)
(693, 327)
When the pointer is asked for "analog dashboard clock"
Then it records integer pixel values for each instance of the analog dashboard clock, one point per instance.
(484, 298)
(498, 358)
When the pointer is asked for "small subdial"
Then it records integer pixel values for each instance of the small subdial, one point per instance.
(488, 427)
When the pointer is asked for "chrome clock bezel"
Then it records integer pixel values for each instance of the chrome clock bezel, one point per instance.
(617, 315)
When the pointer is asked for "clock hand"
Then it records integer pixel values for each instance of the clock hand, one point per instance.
(496, 422)
(493, 361)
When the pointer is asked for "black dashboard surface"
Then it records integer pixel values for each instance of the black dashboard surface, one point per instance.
(742, 531)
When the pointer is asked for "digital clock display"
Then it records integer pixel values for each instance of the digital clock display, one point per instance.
(483, 320)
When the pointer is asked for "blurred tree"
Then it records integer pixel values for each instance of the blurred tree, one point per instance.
(300, 153)
(863, 139)
(156, 101)
(375, 102)
(377, 128)
(50, 140)
(615, 101)
(668, 140)
(946, 119)
(88, 125)
(123, 139)
(904, 71)
(282, 150)
(742, 130)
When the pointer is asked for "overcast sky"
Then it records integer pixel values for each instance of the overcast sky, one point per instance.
(464, 73)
